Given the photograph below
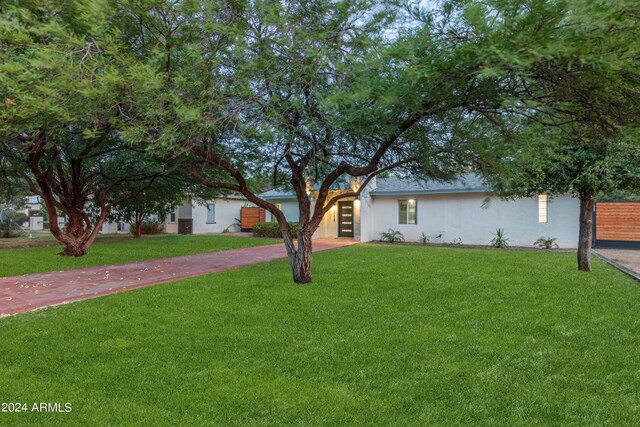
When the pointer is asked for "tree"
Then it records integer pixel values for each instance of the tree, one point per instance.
(159, 200)
(67, 85)
(548, 162)
(577, 67)
(307, 93)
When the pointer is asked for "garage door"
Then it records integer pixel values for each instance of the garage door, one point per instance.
(617, 225)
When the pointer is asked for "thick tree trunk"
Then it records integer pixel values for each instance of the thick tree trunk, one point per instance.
(75, 249)
(299, 255)
(586, 231)
(79, 234)
(73, 236)
(138, 230)
(301, 266)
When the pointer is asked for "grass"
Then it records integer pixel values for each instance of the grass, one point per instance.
(28, 239)
(386, 335)
(112, 251)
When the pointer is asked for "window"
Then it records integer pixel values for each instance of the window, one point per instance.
(543, 211)
(172, 216)
(279, 206)
(211, 213)
(408, 212)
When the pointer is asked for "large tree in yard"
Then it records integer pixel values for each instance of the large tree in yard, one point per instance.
(308, 93)
(66, 86)
(574, 123)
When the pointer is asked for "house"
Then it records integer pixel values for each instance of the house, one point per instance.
(218, 215)
(463, 211)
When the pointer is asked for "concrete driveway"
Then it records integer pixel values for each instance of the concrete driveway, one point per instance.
(629, 259)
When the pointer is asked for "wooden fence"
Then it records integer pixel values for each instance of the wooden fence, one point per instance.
(617, 222)
(249, 216)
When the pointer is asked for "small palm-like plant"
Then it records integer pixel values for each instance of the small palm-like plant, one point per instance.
(392, 236)
(500, 240)
(546, 243)
(424, 239)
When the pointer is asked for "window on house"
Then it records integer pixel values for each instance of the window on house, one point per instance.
(543, 208)
(172, 216)
(279, 206)
(211, 213)
(408, 212)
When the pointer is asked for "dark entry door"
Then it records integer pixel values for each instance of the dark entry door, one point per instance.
(185, 226)
(345, 219)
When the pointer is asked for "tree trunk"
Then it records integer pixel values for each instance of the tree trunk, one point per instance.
(75, 249)
(139, 219)
(72, 235)
(301, 266)
(79, 234)
(586, 231)
(300, 256)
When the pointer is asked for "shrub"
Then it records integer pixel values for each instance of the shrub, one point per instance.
(149, 227)
(392, 236)
(500, 240)
(11, 223)
(424, 239)
(546, 243)
(272, 229)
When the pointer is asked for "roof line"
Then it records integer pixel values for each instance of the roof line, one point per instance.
(443, 191)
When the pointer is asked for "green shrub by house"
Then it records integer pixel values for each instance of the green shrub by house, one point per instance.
(149, 227)
(272, 229)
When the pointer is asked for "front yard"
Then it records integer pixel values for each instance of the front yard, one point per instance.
(385, 336)
(119, 249)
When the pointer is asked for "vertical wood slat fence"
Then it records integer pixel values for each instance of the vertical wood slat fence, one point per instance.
(249, 216)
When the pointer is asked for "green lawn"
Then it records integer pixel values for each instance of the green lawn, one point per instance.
(117, 250)
(387, 335)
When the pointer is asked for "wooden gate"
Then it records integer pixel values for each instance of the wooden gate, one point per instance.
(249, 216)
(617, 225)
(185, 226)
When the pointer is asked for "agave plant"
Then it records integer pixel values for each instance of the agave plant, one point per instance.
(392, 236)
(546, 243)
(500, 240)
(424, 239)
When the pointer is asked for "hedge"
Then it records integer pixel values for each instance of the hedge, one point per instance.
(272, 229)
(149, 227)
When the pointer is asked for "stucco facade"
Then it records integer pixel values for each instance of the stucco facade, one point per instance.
(472, 218)
(223, 218)
(465, 212)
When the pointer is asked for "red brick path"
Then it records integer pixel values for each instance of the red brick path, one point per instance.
(19, 294)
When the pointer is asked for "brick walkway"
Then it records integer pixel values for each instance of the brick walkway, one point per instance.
(19, 294)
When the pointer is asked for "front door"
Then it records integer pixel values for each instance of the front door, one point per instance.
(185, 225)
(345, 219)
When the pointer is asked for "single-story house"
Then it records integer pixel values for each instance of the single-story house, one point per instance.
(216, 215)
(463, 211)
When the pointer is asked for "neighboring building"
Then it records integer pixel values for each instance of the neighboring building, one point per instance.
(463, 211)
(118, 227)
(218, 215)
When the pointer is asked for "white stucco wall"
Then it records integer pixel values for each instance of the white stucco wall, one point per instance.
(226, 212)
(462, 216)
(289, 209)
(112, 227)
(328, 227)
